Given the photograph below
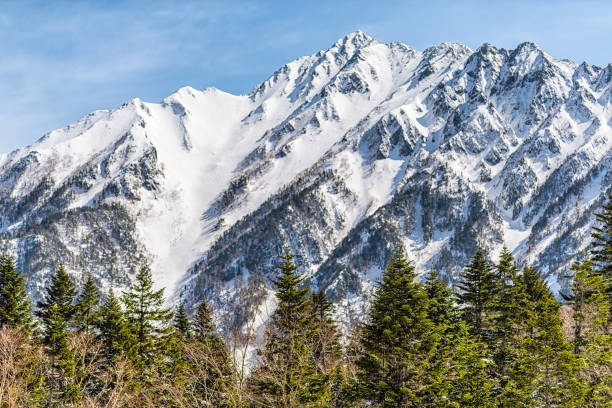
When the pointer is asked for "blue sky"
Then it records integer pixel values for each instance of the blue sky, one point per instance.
(61, 60)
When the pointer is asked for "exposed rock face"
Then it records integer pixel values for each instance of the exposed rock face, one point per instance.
(341, 155)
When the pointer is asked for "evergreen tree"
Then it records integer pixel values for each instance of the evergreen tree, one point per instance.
(14, 307)
(146, 317)
(581, 289)
(599, 344)
(57, 332)
(602, 246)
(208, 362)
(472, 385)
(61, 294)
(398, 340)
(113, 330)
(203, 323)
(545, 372)
(56, 313)
(507, 317)
(477, 295)
(286, 368)
(534, 286)
(326, 351)
(450, 366)
(441, 306)
(592, 340)
(181, 322)
(326, 335)
(518, 386)
(61, 387)
(556, 381)
(86, 309)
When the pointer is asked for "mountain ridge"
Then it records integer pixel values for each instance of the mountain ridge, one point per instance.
(341, 155)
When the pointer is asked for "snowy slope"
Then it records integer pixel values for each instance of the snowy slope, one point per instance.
(341, 155)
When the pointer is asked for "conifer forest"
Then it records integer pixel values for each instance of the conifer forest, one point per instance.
(500, 338)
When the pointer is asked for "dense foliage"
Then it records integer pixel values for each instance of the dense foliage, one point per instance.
(501, 340)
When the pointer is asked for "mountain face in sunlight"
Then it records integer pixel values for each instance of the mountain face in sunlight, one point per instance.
(340, 155)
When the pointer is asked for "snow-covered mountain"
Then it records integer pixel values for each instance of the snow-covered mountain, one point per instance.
(341, 155)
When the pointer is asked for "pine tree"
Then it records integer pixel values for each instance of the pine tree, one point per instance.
(203, 323)
(441, 307)
(86, 309)
(598, 342)
(57, 310)
(61, 387)
(602, 246)
(15, 309)
(534, 286)
(61, 294)
(507, 319)
(209, 363)
(326, 335)
(545, 372)
(581, 289)
(398, 340)
(283, 375)
(472, 385)
(147, 318)
(592, 340)
(556, 368)
(477, 295)
(113, 330)
(326, 351)
(453, 352)
(56, 313)
(57, 332)
(530, 293)
(181, 322)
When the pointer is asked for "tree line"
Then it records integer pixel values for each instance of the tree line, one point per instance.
(501, 339)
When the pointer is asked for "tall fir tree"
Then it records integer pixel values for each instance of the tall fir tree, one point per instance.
(602, 246)
(147, 318)
(592, 340)
(86, 309)
(534, 286)
(397, 341)
(472, 384)
(477, 292)
(181, 323)
(61, 378)
(518, 388)
(326, 351)
(113, 331)
(441, 306)
(209, 364)
(507, 317)
(581, 290)
(286, 368)
(56, 312)
(556, 379)
(58, 304)
(454, 353)
(15, 309)
(60, 293)
(326, 335)
(203, 323)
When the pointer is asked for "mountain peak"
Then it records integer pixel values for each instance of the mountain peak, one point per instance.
(446, 48)
(528, 47)
(486, 49)
(357, 35)
(352, 42)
